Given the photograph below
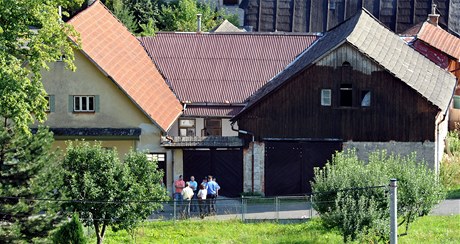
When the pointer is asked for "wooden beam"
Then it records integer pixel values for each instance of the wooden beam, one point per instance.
(293, 16)
(276, 15)
(259, 20)
(309, 2)
(396, 16)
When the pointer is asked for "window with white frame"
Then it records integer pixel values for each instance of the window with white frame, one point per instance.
(187, 127)
(83, 103)
(326, 97)
(157, 157)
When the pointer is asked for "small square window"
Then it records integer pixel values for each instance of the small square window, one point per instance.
(83, 104)
(187, 127)
(326, 97)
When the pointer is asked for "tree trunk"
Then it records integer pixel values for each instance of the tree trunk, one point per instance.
(99, 235)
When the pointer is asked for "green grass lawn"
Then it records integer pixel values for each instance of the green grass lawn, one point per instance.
(429, 229)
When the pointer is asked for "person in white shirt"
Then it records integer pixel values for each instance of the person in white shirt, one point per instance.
(187, 195)
(202, 199)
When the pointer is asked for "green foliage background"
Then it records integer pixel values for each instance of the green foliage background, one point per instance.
(144, 17)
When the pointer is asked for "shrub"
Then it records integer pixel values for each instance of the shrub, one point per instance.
(350, 194)
(70, 232)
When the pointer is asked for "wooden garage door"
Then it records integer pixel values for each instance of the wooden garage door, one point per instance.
(224, 164)
(289, 164)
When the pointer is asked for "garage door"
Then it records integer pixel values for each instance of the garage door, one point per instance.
(224, 164)
(289, 164)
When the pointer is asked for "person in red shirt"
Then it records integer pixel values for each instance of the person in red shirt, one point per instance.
(179, 185)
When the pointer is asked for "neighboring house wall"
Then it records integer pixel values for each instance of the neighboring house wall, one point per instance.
(321, 15)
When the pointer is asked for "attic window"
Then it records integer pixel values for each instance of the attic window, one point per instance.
(346, 95)
(83, 104)
(326, 97)
(346, 64)
(365, 98)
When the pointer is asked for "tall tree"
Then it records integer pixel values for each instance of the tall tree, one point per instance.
(31, 35)
(110, 192)
(181, 15)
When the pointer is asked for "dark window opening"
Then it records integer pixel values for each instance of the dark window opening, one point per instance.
(213, 127)
(230, 2)
(346, 95)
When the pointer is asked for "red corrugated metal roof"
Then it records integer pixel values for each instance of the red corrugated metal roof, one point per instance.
(120, 56)
(222, 67)
(440, 39)
(212, 111)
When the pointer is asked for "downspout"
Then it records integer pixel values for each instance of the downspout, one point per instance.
(439, 119)
(252, 153)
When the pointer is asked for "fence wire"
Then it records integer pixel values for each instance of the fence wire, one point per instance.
(296, 207)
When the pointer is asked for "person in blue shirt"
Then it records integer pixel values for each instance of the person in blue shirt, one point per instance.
(212, 190)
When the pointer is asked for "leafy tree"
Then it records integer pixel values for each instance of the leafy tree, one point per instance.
(110, 192)
(148, 29)
(180, 15)
(344, 199)
(31, 36)
(124, 14)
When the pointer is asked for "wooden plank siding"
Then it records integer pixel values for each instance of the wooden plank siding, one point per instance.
(321, 15)
(397, 111)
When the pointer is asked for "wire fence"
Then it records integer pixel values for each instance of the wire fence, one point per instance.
(278, 208)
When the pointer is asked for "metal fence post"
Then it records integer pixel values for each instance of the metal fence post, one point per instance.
(393, 212)
(311, 206)
(243, 208)
(277, 208)
(175, 206)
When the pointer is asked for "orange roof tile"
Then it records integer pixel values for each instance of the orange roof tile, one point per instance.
(122, 58)
(440, 39)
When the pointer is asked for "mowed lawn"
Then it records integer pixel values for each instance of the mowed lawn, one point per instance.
(428, 229)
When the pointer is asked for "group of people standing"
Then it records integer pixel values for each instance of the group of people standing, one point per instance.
(192, 196)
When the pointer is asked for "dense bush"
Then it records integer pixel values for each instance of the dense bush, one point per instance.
(71, 232)
(347, 193)
(450, 166)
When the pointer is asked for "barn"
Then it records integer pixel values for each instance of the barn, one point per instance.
(359, 86)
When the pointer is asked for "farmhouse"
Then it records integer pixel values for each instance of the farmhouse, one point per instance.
(359, 86)
(116, 96)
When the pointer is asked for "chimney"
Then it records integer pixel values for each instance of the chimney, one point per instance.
(198, 18)
(433, 18)
(90, 2)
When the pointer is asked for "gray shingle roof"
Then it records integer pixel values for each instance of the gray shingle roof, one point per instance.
(201, 141)
(384, 47)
